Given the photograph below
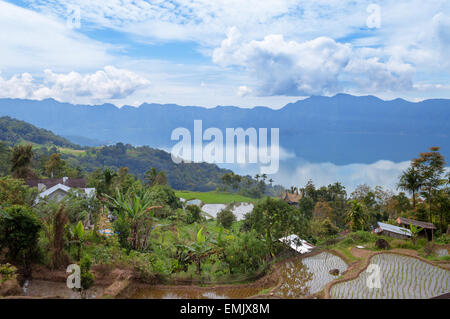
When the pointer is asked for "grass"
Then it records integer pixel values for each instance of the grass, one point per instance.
(65, 150)
(215, 197)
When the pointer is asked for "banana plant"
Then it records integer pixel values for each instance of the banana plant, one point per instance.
(199, 250)
(77, 236)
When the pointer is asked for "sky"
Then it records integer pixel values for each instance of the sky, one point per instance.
(229, 52)
(223, 52)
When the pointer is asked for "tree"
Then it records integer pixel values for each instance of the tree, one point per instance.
(15, 192)
(19, 233)
(226, 218)
(199, 250)
(355, 216)
(87, 277)
(193, 214)
(59, 257)
(150, 176)
(5, 159)
(273, 219)
(161, 179)
(77, 237)
(55, 166)
(135, 210)
(430, 166)
(411, 181)
(21, 160)
(322, 210)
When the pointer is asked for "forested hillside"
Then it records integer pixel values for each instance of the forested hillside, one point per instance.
(192, 176)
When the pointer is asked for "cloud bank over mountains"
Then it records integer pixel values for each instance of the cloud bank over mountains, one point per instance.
(247, 52)
(109, 83)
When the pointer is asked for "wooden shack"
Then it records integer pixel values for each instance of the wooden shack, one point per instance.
(392, 231)
(428, 228)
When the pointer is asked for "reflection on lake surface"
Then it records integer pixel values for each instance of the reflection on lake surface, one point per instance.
(306, 276)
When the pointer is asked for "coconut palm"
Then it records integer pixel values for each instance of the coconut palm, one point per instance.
(411, 181)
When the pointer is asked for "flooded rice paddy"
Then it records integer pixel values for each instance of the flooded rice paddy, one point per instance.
(43, 288)
(307, 276)
(300, 277)
(238, 209)
(196, 293)
(401, 277)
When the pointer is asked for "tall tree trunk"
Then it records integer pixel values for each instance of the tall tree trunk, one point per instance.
(414, 200)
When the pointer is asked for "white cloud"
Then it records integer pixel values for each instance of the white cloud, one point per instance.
(244, 91)
(31, 41)
(318, 66)
(109, 83)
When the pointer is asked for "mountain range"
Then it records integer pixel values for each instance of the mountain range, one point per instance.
(341, 129)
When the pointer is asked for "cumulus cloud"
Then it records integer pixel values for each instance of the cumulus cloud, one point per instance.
(312, 67)
(109, 83)
(31, 41)
(244, 91)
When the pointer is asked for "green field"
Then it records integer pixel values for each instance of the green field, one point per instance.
(215, 197)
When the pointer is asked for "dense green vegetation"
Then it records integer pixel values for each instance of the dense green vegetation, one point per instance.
(15, 132)
(155, 237)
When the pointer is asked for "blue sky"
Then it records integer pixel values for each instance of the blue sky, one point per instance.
(224, 52)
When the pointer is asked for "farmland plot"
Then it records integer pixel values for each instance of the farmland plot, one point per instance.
(400, 277)
(303, 277)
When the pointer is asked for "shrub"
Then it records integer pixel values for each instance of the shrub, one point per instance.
(7, 271)
(226, 218)
(193, 214)
(443, 239)
(19, 232)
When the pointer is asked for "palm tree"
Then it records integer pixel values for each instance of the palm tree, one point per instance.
(21, 160)
(411, 181)
(355, 216)
(270, 181)
(257, 176)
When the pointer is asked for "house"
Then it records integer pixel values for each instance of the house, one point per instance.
(298, 244)
(57, 188)
(291, 198)
(392, 231)
(428, 228)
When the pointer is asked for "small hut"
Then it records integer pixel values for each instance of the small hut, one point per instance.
(290, 198)
(392, 231)
(428, 228)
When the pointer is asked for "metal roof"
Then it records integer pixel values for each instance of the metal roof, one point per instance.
(394, 229)
(407, 221)
(298, 244)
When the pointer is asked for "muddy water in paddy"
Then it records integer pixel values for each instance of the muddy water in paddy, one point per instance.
(401, 277)
(300, 277)
(196, 293)
(42, 288)
(306, 276)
